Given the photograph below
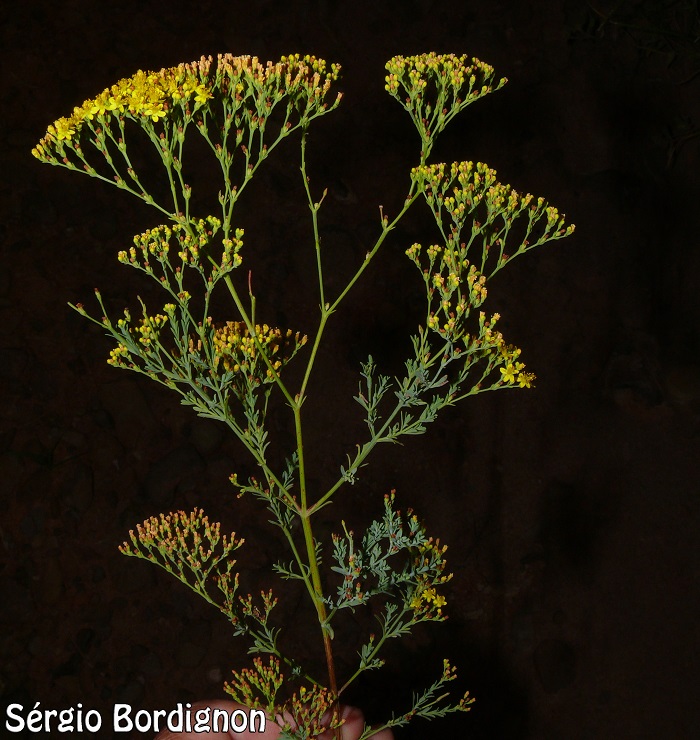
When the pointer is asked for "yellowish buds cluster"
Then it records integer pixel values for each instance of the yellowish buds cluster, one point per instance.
(447, 71)
(307, 709)
(119, 356)
(237, 351)
(225, 356)
(456, 285)
(192, 241)
(293, 75)
(249, 685)
(146, 334)
(434, 88)
(311, 709)
(150, 328)
(449, 673)
(434, 548)
(152, 243)
(468, 182)
(180, 540)
(468, 190)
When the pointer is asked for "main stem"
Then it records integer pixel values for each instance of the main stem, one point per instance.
(305, 512)
(305, 516)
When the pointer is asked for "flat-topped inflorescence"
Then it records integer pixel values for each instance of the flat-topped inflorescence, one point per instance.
(434, 88)
(469, 191)
(230, 103)
(238, 351)
(224, 359)
(177, 93)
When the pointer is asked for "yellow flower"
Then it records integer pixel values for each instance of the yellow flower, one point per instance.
(427, 596)
(525, 380)
(155, 111)
(508, 372)
(202, 94)
(65, 128)
(98, 106)
(113, 103)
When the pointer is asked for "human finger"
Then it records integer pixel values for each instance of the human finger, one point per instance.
(271, 732)
(354, 725)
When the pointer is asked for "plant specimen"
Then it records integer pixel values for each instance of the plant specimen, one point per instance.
(227, 369)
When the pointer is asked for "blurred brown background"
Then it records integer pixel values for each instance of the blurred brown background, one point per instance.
(571, 510)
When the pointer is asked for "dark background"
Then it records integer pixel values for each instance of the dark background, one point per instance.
(571, 510)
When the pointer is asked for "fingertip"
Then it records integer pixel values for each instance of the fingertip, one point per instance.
(354, 723)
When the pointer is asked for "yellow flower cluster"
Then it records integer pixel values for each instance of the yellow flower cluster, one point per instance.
(425, 598)
(513, 372)
(235, 348)
(492, 340)
(430, 597)
(446, 70)
(147, 95)
(461, 287)
(152, 96)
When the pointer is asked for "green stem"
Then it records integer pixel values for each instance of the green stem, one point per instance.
(314, 207)
(387, 633)
(360, 457)
(251, 330)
